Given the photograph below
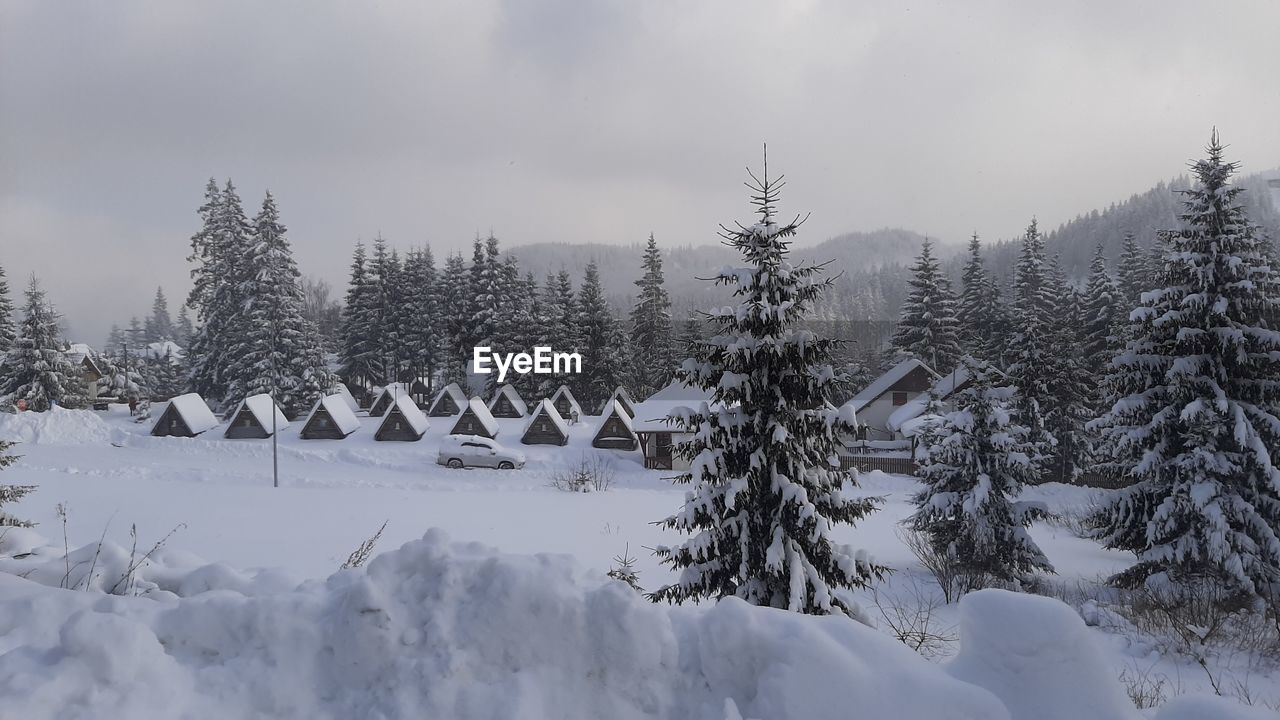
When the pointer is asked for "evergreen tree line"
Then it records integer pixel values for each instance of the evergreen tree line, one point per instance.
(405, 320)
(1164, 376)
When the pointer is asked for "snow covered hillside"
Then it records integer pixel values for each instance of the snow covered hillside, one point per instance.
(488, 598)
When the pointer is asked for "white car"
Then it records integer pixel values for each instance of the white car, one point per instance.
(459, 451)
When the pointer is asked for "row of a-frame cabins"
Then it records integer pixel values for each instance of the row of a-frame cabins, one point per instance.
(888, 412)
(622, 423)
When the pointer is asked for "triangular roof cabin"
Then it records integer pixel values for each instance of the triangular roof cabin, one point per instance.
(624, 398)
(252, 419)
(331, 419)
(507, 403)
(448, 402)
(896, 388)
(403, 421)
(615, 432)
(545, 426)
(342, 391)
(475, 420)
(186, 416)
(566, 404)
(386, 397)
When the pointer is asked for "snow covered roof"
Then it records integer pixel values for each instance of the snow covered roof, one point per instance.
(165, 347)
(395, 389)
(901, 419)
(881, 385)
(513, 397)
(194, 412)
(454, 392)
(620, 393)
(482, 414)
(341, 413)
(261, 406)
(545, 407)
(340, 390)
(411, 412)
(615, 408)
(564, 390)
(651, 415)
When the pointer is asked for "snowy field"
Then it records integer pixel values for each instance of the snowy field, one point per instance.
(243, 613)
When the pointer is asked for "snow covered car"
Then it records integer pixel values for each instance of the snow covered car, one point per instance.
(458, 451)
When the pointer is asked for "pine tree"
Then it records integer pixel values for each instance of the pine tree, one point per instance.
(184, 330)
(384, 311)
(7, 332)
(122, 376)
(486, 298)
(927, 327)
(651, 327)
(1070, 384)
(218, 249)
(1198, 418)
(159, 325)
(421, 317)
(1031, 364)
(36, 368)
(975, 311)
(978, 462)
(1104, 313)
(767, 489)
(11, 493)
(601, 338)
(277, 346)
(358, 360)
(454, 295)
(1132, 269)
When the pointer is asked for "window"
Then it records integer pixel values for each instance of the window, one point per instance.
(899, 398)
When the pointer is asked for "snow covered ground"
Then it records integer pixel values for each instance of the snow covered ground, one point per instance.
(243, 612)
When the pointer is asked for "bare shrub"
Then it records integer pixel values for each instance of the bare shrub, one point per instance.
(126, 584)
(952, 578)
(1145, 688)
(361, 554)
(591, 473)
(911, 617)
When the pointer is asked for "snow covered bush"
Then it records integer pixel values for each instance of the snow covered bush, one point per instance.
(1196, 419)
(592, 472)
(979, 462)
(767, 487)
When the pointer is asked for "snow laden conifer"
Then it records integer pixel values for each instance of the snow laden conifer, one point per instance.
(601, 344)
(1132, 270)
(421, 317)
(453, 293)
(1197, 423)
(1104, 313)
(276, 346)
(1070, 384)
(927, 327)
(977, 462)
(651, 327)
(159, 326)
(218, 250)
(1031, 365)
(766, 486)
(7, 332)
(358, 359)
(36, 369)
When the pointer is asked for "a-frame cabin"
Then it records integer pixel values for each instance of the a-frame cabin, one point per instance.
(616, 432)
(448, 402)
(186, 416)
(545, 426)
(403, 421)
(332, 419)
(622, 397)
(476, 420)
(386, 397)
(566, 404)
(252, 419)
(507, 403)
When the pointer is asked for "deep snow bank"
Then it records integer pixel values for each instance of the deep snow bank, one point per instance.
(461, 631)
(58, 426)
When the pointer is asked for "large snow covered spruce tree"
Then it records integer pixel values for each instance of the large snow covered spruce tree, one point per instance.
(927, 328)
(767, 485)
(651, 327)
(1197, 421)
(36, 370)
(978, 462)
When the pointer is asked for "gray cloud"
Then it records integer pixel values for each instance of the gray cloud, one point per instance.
(597, 121)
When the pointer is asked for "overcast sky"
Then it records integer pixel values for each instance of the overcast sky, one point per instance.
(591, 121)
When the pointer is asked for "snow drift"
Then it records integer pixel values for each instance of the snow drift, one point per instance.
(461, 631)
(57, 426)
